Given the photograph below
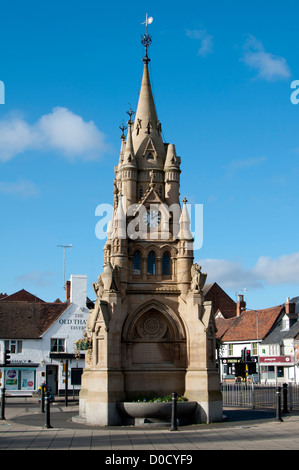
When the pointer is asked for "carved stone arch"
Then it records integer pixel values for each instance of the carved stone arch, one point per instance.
(137, 247)
(153, 307)
(154, 248)
(171, 250)
(153, 341)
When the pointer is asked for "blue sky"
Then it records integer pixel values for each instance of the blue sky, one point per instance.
(221, 75)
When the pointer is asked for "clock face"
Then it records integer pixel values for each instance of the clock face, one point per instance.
(152, 218)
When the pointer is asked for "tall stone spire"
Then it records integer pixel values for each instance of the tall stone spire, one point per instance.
(147, 128)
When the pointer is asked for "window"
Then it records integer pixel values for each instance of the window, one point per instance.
(57, 345)
(285, 323)
(136, 263)
(140, 192)
(151, 263)
(230, 349)
(166, 264)
(274, 350)
(15, 346)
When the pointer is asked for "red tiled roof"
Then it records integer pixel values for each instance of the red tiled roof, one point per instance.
(244, 326)
(22, 295)
(28, 320)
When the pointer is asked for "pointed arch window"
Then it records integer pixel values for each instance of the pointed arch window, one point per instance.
(166, 271)
(136, 263)
(151, 263)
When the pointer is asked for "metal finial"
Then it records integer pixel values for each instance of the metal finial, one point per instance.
(123, 128)
(146, 39)
(130, 113)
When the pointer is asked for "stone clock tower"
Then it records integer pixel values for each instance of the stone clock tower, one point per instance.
(151, 332)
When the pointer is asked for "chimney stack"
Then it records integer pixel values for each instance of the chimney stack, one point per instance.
(289, 306)
(241, 304)
(68, 290)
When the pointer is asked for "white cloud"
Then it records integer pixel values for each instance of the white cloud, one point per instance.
(16, 136)
(22, 188)
(247, 162)
(206, 40)
(269, 67)
(267, 271)
(61, 130)
(229, 274)
(37, 278)
(282, 270)
(68, 133)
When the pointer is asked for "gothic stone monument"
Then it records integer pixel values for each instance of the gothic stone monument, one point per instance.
(151, 331)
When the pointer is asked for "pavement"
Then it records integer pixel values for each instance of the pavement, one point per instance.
(243, 429)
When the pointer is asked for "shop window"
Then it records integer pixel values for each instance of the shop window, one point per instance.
(136, 263)
(166, 264)
(151, 264)
(20, 378)
(57, 345)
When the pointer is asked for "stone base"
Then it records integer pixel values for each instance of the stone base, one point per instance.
(97, 406)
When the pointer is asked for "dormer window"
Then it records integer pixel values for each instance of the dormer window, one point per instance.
(285, 323)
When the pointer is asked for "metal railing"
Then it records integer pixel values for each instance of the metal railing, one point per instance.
(257, 395)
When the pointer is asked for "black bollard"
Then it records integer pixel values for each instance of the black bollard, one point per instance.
(42, 398)
(48, 425)
(2, 417)
(285, 398)
(174, 412)
(278, 404)
(66, 383)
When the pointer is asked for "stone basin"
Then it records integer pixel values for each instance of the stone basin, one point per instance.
(137, 412)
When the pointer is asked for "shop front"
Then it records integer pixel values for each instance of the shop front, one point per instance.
(277, 368)
(19, 378)
(234, 369)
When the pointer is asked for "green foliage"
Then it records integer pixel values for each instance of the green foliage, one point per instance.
(165, 399)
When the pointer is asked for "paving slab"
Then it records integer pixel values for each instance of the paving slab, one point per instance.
(244, 429)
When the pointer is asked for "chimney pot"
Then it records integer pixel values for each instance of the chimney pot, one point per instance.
(289, 306)
(241, 304)
(68, 290)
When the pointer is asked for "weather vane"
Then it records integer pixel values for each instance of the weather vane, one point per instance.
(146, 39)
